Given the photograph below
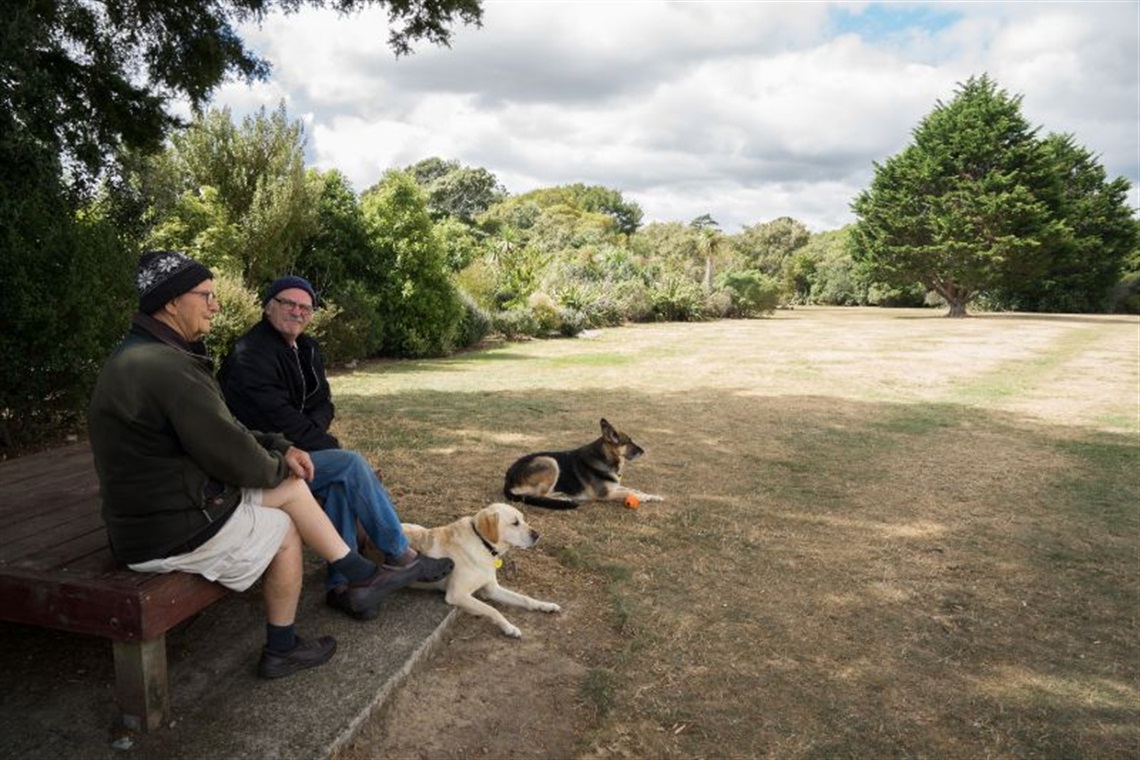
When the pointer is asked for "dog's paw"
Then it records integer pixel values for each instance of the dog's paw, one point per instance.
(548, 607)
(651, 497)
(512, 631)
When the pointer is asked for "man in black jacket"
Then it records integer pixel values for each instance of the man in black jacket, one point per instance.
(274, 379)
(185, 487)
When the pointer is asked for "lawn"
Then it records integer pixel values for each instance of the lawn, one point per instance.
(886, 533)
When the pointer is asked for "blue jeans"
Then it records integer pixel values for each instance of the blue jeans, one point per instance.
(350, 491)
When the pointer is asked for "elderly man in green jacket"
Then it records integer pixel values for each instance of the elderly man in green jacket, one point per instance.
(185, 487)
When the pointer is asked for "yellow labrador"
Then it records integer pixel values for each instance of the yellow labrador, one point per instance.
(476, 545)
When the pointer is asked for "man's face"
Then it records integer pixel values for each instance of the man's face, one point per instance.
(194, 311)
(289, 312)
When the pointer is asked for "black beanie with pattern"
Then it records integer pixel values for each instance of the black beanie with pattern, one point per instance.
(162, 276)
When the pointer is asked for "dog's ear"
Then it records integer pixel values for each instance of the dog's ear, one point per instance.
(487, 522)
(609, 433)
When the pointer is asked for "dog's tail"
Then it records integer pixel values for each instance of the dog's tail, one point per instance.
(539, 501)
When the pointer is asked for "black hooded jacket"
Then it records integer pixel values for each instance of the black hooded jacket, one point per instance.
(271, 386)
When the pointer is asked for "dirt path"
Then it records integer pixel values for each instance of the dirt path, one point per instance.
(482, 694)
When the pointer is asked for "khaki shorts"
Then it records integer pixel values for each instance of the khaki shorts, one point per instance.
(236, 555)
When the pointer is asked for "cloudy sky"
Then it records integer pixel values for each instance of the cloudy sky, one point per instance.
(747, 111)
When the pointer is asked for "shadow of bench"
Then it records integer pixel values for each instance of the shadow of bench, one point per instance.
(56, 571)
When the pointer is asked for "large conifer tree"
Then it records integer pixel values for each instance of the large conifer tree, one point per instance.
(971, 203)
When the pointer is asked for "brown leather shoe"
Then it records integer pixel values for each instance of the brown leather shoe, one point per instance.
(337, 598)
(307, 654)
(434, 569)
(366, 594)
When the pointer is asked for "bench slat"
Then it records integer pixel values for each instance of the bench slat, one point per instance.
(52, 544)
(60, 465)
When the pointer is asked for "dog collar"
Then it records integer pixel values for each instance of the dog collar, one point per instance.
(486, 543)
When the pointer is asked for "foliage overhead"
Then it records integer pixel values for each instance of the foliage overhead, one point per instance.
(89, 79)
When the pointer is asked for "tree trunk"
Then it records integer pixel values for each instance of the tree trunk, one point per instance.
(708, 283)
(956, 297)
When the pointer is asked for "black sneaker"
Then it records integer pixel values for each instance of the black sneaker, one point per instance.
(307, 654)
(337, 598)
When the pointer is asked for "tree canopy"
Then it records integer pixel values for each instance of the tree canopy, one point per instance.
(1088, 263)
(456, 191)
(88, 79)
(972, 202)
(242, 198)
(84, 92)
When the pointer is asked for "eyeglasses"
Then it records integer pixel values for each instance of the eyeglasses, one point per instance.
(288, 305)
(210, 296)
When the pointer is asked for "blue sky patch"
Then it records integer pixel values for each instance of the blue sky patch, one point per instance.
(884, 21)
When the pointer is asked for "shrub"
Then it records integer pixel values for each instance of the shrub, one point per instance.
(476, 324)
(718, 305)
(573, 322)
(678, 300)
(241, 310)
(546, 313)
(349, 329)
(479, 281)
(633, 301)
(515, 324)
(1126, 294)
(68, 285)
(752, 292)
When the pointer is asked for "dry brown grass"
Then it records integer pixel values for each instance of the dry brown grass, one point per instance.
(887, 534)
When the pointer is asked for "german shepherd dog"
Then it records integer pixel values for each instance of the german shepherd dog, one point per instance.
(565, 479)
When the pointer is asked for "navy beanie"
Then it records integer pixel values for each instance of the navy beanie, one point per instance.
(285, 283)
(162, 276)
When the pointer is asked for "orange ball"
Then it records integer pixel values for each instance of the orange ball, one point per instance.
(632, 502)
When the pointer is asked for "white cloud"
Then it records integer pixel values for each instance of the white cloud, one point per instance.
(744, 110)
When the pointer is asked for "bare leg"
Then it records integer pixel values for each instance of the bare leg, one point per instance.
(295, 499)
(281, 583)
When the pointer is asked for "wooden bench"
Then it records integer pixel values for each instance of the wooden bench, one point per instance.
(56, 571)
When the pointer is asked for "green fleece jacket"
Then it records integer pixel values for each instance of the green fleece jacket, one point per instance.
(170, 457)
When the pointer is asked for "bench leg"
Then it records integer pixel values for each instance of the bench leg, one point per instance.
(140, 683)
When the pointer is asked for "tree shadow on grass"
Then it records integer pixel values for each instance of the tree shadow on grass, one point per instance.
(827, 577)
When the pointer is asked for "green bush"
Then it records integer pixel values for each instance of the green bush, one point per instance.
(68, 285)
(418, 303)
(479, 281)
(753, 293)
(678, 300)
(241, 310)
(349, 329)
(572, 323)
(546, 313)
(894, 297)
(1126, 295)
(476, 323)
(718, 305)
(606, 304)
(426, 322)
(514, 324)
